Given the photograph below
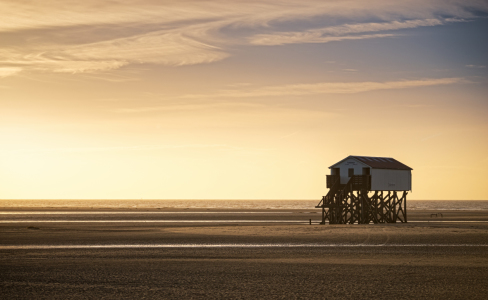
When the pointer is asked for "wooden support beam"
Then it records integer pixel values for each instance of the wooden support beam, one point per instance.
(345, 204)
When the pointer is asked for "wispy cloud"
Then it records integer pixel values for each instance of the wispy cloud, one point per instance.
(192, 106)
(476, 66)
(18, 15)
(207, 101)
(278, 39)
(326, 88)
(162, 47)
(341, 33)
(415, 105)
(9, 71)
(92, 36)
(431, 136)
(289, 135)
(132, 148)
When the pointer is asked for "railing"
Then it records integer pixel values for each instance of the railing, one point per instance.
(361, 182)
(328, 199)
(355, 183)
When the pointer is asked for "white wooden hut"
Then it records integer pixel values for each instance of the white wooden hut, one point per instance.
(387, 174)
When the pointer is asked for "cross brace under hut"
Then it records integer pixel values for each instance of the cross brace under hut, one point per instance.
(353, 202)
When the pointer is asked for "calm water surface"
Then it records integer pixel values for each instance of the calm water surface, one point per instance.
(228, 204)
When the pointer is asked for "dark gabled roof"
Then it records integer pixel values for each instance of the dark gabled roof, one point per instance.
(379, 162)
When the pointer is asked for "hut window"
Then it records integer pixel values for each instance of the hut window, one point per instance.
(350, 172)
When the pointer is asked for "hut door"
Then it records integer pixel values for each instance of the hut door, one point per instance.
(366, 171)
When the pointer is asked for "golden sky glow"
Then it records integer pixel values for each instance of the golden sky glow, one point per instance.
(239, 99)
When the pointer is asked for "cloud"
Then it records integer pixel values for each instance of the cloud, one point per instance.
(431, 136)
(326, 88)
(92, 36)
(415, 105)
(281, 91)
(161, 47)
(277, 39)
(18, 15)
(186, 107)
(218, 147)
(340, 33)
(97, 37)
(9, 71)
(476, 66)
(120, 148)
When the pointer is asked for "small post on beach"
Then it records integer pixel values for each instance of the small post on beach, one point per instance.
(310, 220)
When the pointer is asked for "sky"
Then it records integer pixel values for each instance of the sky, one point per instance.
(239, 99)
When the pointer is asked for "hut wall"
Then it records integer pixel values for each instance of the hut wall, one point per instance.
(391, 180)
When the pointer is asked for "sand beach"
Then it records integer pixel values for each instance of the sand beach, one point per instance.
(86, 253)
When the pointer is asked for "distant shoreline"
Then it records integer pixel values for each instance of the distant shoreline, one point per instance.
(241, 205)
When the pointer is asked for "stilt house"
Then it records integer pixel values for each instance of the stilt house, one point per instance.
(352, 182)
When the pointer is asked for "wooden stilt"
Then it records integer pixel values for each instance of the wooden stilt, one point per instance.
(351, 203)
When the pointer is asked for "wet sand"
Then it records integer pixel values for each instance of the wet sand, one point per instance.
(218, 259)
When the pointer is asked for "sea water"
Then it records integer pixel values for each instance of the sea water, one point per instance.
(225, 204)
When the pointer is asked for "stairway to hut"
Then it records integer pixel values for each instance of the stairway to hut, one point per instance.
(332, 201)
